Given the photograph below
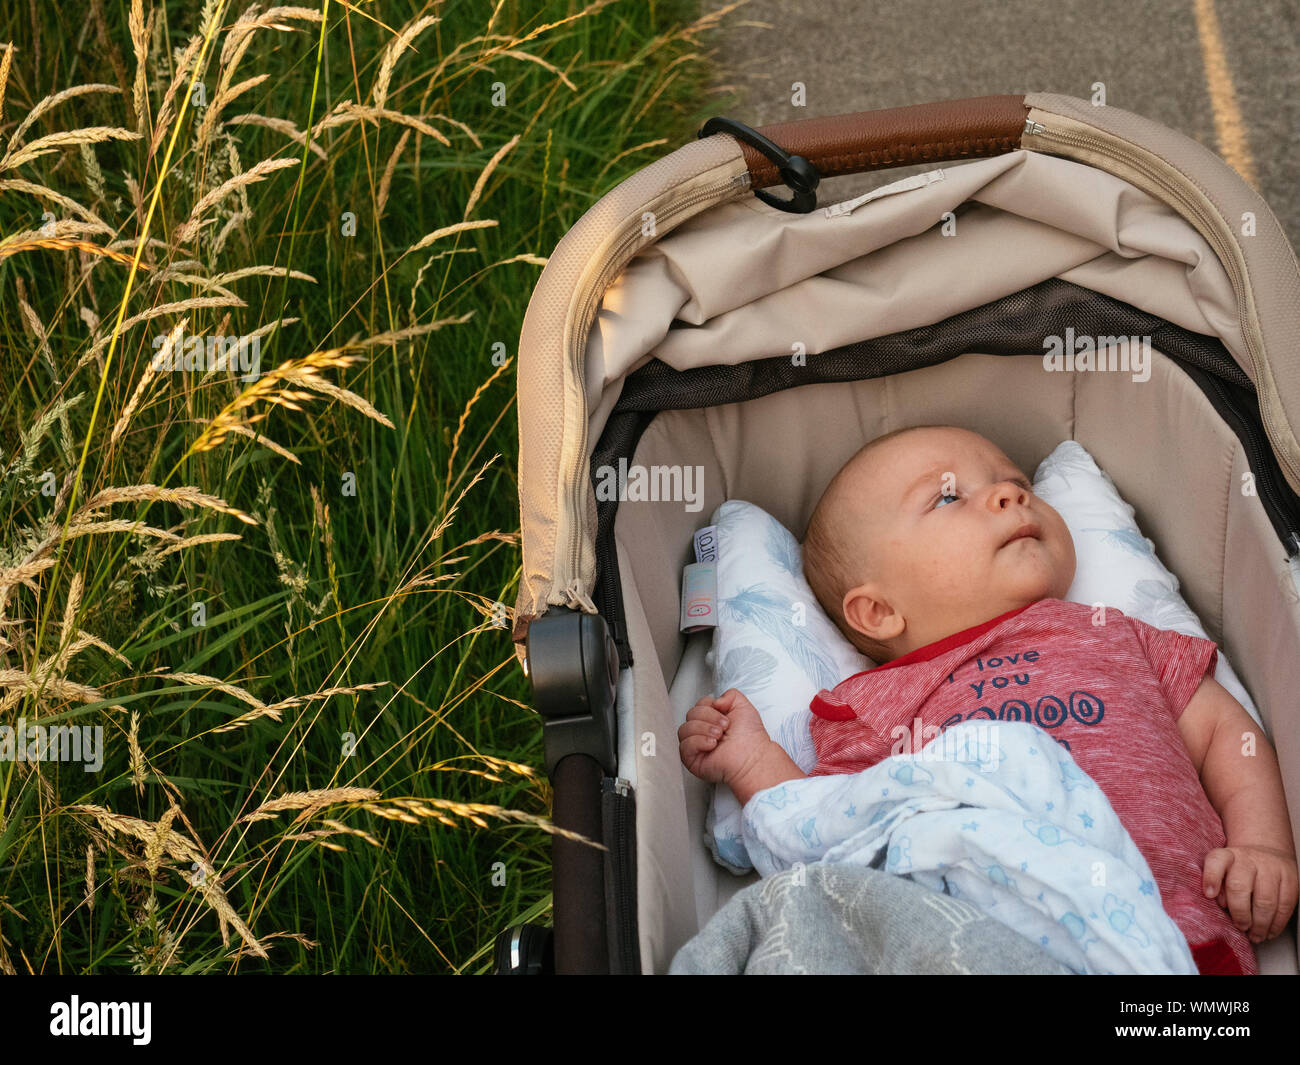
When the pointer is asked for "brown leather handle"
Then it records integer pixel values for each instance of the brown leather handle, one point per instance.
(898, 136)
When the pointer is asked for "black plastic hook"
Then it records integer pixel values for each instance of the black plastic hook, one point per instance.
(799, 175)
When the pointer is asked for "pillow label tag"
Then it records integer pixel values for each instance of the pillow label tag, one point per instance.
(706, 544)
(699, 597)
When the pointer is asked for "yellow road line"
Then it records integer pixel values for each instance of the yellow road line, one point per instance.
(1228, 125)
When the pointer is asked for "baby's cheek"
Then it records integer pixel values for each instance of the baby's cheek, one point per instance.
(952, 567)
(1065, 543)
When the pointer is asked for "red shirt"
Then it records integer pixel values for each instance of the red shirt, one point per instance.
(1110, 691)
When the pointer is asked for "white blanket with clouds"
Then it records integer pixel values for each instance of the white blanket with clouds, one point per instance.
(997, 814)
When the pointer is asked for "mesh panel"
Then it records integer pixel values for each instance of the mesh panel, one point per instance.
(1013, 325)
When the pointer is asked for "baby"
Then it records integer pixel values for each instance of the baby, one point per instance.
(934, 557)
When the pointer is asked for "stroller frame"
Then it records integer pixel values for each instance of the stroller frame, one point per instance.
(570, 631)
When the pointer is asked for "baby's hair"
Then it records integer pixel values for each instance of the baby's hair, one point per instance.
(832, 563)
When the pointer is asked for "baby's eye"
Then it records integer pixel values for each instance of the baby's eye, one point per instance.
(942, 497)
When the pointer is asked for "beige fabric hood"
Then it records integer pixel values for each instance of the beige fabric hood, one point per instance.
(683, 264)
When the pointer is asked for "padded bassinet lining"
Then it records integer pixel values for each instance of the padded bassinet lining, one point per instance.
(1162, 443)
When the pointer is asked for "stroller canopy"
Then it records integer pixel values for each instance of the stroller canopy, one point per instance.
(1096, 196)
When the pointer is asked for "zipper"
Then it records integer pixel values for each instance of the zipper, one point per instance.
(614, 261)
(621, 911)
(1208, 229)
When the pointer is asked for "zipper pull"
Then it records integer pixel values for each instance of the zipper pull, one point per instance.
(1033, 127)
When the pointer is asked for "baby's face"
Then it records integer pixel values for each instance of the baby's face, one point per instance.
(953, 535)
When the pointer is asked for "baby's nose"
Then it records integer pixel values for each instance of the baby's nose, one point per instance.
(1005, 492)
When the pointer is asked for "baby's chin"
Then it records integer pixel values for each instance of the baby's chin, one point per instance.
(1045, 570)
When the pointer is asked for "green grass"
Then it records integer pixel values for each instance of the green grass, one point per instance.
(395, 582)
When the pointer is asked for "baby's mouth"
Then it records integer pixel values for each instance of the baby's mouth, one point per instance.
(1030, 530)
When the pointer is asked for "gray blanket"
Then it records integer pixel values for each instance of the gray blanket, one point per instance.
(833, 918)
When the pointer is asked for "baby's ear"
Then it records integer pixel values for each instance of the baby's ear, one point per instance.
(868, 612)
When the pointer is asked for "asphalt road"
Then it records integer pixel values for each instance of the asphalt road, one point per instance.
(1225, 72)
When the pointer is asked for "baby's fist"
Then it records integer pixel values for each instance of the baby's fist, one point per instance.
(722, 737)
(1257, 886)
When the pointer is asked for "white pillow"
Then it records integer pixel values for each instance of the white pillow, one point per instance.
(773, 642)
(776, 644)
(1117, 565)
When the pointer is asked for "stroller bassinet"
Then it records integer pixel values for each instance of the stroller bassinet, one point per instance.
(661, 333)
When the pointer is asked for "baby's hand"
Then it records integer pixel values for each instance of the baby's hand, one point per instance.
(1259, 889)
(722, 737)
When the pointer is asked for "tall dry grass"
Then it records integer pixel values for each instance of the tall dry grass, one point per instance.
(313, 756)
